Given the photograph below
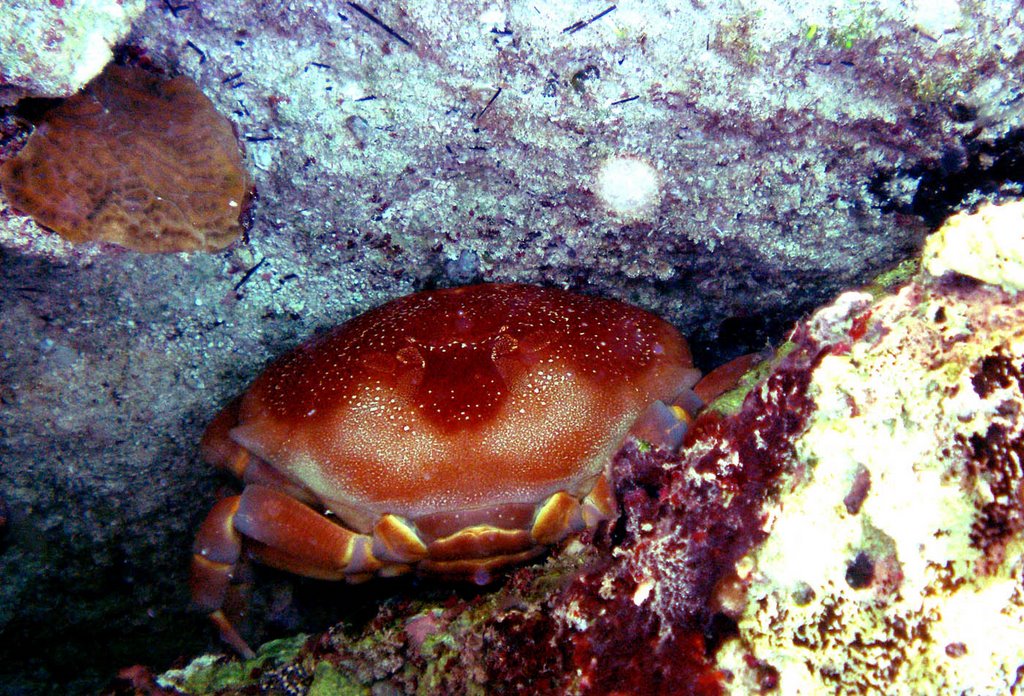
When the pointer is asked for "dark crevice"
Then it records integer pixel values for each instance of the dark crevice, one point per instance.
(974, 167)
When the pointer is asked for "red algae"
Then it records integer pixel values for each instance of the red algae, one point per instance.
(646, 622)
(630, 650)
(518, 652)
(995, 457)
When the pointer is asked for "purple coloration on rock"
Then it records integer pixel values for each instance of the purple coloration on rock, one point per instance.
(784, 155)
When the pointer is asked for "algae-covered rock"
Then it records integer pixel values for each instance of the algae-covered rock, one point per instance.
(894, 557)
(52, 48)
(987, 245)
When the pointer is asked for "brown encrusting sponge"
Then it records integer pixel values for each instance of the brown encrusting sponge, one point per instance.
(135, 159)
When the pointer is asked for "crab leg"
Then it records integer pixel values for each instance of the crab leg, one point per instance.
(665, 424)
(218, 448)
(215, 559)
(600, 503)
(279, 531)
(292, 536)
(725, 377)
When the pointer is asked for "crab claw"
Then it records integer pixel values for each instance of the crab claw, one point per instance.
(662, 425)
(725, 377)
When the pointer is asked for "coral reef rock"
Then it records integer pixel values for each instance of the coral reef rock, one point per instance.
(894, 557)
(987, 245)
(51, 49)
(135, 159)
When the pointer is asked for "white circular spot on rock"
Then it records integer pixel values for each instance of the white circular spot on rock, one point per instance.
(628, 186)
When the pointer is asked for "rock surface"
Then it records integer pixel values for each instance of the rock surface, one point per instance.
(52, 48)
(894, 559)
(789, 150)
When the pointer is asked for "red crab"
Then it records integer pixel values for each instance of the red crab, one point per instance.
(450, 432)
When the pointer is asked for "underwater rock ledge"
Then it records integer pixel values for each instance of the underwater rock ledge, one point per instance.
(797, 147)
(852, 525)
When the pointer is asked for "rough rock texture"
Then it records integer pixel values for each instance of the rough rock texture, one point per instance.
(790, 141)
(854, 527)
(894, 562)
(50, 48)
(797, 147)
(987, 245)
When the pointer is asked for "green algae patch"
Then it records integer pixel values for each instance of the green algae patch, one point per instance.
(279, 650)
(889, 280)
(215, 673)
(730, 402)
(328, 681)
(208, 674)
(849, 30)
